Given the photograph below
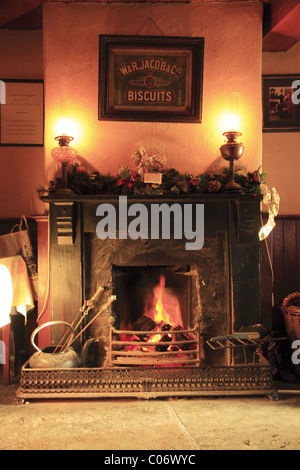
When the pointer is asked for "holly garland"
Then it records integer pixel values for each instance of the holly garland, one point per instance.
(127, 182)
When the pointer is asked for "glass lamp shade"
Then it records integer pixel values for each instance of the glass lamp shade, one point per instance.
(64, 154)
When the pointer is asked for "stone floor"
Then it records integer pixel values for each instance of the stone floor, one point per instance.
(182, 424)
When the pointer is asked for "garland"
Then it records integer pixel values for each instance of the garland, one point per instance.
(127, 182)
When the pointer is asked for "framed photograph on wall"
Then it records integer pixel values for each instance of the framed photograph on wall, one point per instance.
(22, 112)
(150, 78)
(281, 103)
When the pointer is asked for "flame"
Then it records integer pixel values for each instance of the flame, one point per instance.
(166, 305)
(69, 127)
(166, 309)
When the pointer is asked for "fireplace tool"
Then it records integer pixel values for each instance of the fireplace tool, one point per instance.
(65, 357)
(88, 305)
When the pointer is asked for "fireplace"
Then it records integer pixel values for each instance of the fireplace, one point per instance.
(157, 338)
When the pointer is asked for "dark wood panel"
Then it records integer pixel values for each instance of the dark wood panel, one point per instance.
(267, 281)
(280, 265)
(298, 252)
(289, 255)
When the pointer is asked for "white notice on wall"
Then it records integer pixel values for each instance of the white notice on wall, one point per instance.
(22, 116)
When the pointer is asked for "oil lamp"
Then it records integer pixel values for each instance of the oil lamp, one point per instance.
(65, 155)
(232, 150)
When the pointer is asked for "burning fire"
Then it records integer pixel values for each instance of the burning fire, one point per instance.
(165, 310)
(162, 314)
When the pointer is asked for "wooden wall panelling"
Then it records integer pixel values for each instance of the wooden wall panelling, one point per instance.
(298, 252)
(278, 262)
(289, 256)
(284, 253)
(267, 281)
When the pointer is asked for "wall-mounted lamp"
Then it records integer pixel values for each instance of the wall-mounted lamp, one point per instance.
(65, 155)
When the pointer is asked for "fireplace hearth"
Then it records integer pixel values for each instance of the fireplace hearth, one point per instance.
(157, 338)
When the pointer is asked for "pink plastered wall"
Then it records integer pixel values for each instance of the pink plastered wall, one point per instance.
(281, 150)
(22, 168)
(232, 64)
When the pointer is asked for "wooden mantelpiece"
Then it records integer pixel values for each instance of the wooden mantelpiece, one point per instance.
(246, 210)
(74, 216)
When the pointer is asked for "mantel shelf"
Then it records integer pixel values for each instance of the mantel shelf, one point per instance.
(164, 197)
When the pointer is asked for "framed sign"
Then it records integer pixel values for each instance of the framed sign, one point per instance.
(150, 78)
(22, 112)
(281, 103)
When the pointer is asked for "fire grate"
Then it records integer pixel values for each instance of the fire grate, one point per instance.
(159, 347)
(144, 382)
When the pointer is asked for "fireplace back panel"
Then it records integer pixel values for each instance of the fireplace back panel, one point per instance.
(209, 281)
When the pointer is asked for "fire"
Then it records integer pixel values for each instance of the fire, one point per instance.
(166, 305)
(165, 309)
(161, 314)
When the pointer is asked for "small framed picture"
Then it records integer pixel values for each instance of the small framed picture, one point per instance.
(150, 78)
(281, 103)
(22, 112)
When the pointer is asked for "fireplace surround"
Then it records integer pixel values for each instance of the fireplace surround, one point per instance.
(218, 288)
